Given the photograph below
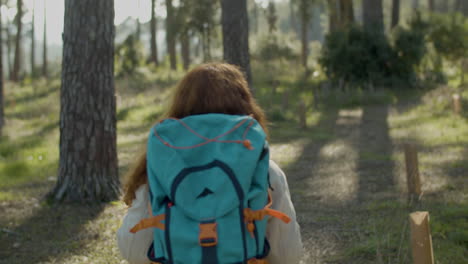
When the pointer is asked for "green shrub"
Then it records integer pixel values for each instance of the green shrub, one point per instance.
(449, 35)
(271, 48)
(128, 56)
(359, 57)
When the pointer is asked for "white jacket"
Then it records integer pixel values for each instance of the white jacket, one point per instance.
(285, 239)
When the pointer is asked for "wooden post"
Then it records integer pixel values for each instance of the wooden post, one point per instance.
(302, 115)
(421, 242)
(457, 104)
(412, 172)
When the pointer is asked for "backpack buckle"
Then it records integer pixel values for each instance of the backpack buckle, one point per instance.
(208, 236)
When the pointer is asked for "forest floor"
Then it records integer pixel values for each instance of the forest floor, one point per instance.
(345, 171)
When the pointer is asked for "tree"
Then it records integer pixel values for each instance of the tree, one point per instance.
(17, 59)
(340, 14)
(272, 17)
(305, 16)
(373, 15)
(153, 27)
(203, 22)
(138, 24)
(443, 6)
(88, 158)
(184, 28)
(431, 5)
(33, 46)
(2, 115)
(347, 12)
(44, 46)
(395, 13)
(415, 4)
(333, 15)
(462, 6)
(171, 34)
(235, 25)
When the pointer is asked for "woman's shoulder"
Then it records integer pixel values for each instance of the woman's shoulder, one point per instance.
(277, 176)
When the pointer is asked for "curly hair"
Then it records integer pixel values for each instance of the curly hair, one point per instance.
(208, 88)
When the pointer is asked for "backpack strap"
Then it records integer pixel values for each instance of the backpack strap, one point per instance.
(154, 221)
(257, 261)
(256, 215)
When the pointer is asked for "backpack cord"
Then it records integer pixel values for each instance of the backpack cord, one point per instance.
(247, 144)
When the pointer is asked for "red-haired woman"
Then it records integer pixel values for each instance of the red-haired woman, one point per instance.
(211, 88)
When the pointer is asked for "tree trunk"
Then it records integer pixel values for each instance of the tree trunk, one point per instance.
(2, 105)
(333, 15)
(33, 46)
(235, 25)
(206, 44)
(138, 29)
(8, 42)
(153, 26)
(346, 12)
(44, 46)
(373, 15)
(88, 158)
(462, 6)
(415, 4)
(305, 14)
(431, 5)
(304, 33)
(185, 49)
(19, 26)
(395, 13)
(170, 34)
(443, 6)
(292, 17)
(138, 25)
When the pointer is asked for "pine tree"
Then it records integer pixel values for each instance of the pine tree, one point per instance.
(235, 25)
(19, 26)
(88, 157)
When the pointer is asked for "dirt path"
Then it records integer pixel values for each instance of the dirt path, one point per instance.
(334, 177)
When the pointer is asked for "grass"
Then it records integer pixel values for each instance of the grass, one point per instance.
(373, 231)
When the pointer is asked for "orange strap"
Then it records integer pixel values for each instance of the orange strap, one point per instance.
(257, 261)
(154, 221)
(251, 215)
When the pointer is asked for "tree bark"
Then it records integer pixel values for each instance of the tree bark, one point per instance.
(235, 25)
(44, 46)
(373, 15)
(153, 27)
(8, 42)
(431, 5)
(33, 46)
(170, 34)
(395, 13)
(305, 14)
(185, 49)
(292, 17)
(19, 26)
(333, 15)
(443, 6)
(88, 158)
(462, 6)
(305, 44)
(2, 105)
(138, 29)
(347, 12)
(340, 14)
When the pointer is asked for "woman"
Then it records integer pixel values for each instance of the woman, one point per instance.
(211, 88)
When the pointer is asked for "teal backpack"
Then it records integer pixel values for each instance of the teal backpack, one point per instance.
(209, 182)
